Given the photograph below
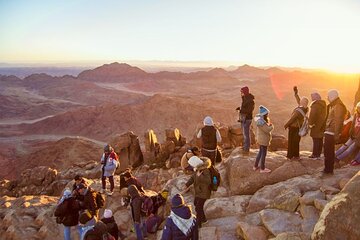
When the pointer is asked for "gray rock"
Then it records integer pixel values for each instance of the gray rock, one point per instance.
(279, 221)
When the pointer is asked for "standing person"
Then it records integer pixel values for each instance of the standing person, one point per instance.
(111, 225)
(293, 124)
(317, 119)
(181, 224)
(68, 211)
(109, 162)
(136, 202)
(88, 201)
(246, 115)
(210, 137)
(334, 124)
(201, 180)
(187, 168)
(263, 136)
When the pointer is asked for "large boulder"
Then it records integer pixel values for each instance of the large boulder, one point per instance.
(278, 142)
(250, 232)
(226, 206)
(174, 134)
(127, 146)
(279, 221)
(339, 219)
(243, 180)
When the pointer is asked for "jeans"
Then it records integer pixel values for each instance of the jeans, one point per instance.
(261, 157)
(140, 230)
(245, 125)
(329, 153)
(317, 146)
(67, 233)
(357, 157)
(199, 208)
(111, 180)
(346, 150)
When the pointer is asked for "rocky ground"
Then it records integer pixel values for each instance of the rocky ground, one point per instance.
(292, 202)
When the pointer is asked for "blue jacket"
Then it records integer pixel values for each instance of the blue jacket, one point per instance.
(172, 232)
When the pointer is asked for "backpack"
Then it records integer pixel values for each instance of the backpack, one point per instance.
(215, 178)
(147, 205)
(100, 200)
(304, 129)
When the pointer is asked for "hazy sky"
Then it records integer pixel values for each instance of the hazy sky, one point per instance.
(308, 33)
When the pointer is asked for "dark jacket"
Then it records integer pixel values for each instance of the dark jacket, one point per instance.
(296, 119)
(335, 118)
(96, 233)
(247, 106)
(317, 118)
(202, 182)
(69, 209)
(136, 202)
(89, 202)
(172, 232)
(112, 227)
(208, 137)
(134, 181)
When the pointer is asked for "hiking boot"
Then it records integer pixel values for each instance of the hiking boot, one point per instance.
(265, 170)
(255, 168)
(102, 191)
(204, 223)
(326, 174)
(295, 158)
(312, 156)
(110, 193)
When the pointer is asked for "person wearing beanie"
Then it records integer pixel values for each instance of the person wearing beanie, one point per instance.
(263, 137)
(181, 223)
(67, 213)
(186, 167)
(109, 161)
(111, 225)
(201, 180)
(246, 115)
(88, 199)
(334, 124)
(293, 125)
(317, 117)
(98, 232)
(210, 137)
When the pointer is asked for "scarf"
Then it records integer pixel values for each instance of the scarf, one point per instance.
(184, 225)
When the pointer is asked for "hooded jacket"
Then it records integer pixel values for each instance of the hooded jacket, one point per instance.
(110, 163)
(263, 131)
(185, 158)
(201, 182)
(335, 118)
(172, 231)
(247, 106)
(209, 135)
(89, 201)
(136, 202)
(296, 120)
(317, 118)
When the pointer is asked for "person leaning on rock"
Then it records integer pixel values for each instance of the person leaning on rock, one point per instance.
(210, 137)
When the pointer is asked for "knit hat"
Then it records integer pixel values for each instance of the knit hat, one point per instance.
(208, 121)
(100, 228)
(107, 148)
(332, 95)
(263, 110)
(245, 90)
(177, 200)
(304, 102)
(67, 193)
(85, 217)
(108, 213)
(315, 96)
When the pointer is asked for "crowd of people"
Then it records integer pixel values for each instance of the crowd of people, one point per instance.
(80, 207)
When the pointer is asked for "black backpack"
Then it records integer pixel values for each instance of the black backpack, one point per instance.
(215, 178)
(100, 200)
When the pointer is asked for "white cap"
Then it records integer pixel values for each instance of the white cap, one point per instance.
(195, 161)
(107, 213)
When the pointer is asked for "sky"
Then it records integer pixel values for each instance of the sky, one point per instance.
(310, 33)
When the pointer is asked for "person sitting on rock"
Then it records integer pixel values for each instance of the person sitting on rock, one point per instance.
(67, 211)
(136, 203)
(352, 146)
(187, 168)
(88, 201)
(182, 223)
(98, 232)
(293, 124)
(111, 225)
(263, 137)
(127, 179)
(210, 137)
(201, 180)
(87, 223)
(109, 162)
